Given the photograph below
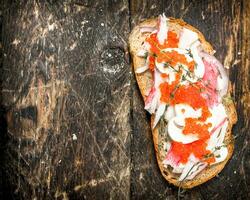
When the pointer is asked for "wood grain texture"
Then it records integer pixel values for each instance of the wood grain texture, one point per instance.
(66, 88)
(76, 124)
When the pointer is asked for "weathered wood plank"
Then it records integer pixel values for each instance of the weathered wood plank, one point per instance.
(67, 92)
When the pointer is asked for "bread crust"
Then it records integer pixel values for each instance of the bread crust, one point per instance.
(144, 81)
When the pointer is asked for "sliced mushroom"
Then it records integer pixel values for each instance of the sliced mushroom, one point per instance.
(176, 134)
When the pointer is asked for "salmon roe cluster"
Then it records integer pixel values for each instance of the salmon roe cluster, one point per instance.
(176, 93)
(198, 148)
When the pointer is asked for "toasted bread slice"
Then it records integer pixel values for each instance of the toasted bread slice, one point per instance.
(144, 81)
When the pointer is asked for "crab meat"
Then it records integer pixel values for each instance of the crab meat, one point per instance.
(199, 70)
(147, 29)
(159, 113)
(163, 29)
(209, 81)
(151, 101)
(171, 159)
(217, 138)
(189, 167)
(218, 115)
(197, 168)
(221, 73)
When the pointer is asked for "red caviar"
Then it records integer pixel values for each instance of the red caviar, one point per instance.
(171, 42)
(198, 148)
(164, 75)
(190, 95)
(167, 90)
(173, 58)
(205, 114)
(194, 127)
(152, 63)
(175, 93)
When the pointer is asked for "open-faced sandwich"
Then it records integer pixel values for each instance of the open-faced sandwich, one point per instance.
(187, 92)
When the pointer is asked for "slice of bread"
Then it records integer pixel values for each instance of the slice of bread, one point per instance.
(144, 81)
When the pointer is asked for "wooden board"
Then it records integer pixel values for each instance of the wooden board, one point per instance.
(72, 119)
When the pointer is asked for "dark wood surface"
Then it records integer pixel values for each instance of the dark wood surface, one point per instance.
(72, 119)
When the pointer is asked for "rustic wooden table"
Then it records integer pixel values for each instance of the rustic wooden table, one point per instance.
(72, 119)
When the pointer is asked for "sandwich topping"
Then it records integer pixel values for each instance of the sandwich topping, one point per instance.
(188, 86)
